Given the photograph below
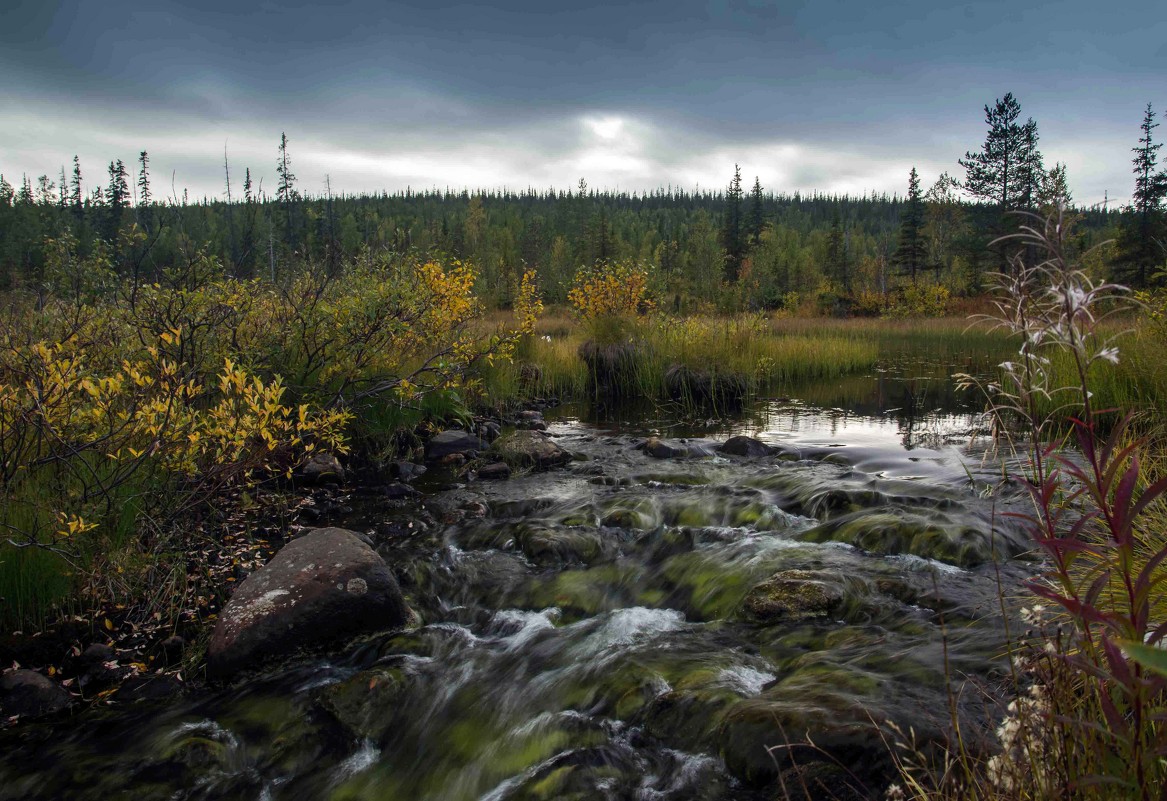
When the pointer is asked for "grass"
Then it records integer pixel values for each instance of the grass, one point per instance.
(751, 352)
(1086, 709)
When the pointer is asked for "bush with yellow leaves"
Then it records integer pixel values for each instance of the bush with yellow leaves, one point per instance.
(611, 289)
(167, 394)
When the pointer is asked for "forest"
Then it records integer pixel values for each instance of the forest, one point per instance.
(733, 249)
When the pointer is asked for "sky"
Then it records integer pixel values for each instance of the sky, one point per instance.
(836, 96)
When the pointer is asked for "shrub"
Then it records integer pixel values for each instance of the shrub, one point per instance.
(611, 289)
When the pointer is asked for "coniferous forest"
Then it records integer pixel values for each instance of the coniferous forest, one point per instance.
(745, 246)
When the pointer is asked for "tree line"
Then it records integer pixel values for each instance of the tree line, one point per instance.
(755, 247)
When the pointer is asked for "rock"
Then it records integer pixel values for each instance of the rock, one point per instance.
(531, 449)
(453, 460)
(660, 449)
(28, 693)
(792, 595)
(172, 649)
(319, 588)
(400, 492)
(97, 653)
(405, 471)
(498, 471)
(361, 702)
(746, 446)
(322, 468)
(530, 421)
(489, 430)
(148, 688)
(450, 442)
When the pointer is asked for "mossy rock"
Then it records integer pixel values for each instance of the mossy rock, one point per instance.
(554, 545)
(706, 588)
(364, 702)
(895, 532)
(794, 595)
(583, 593)
(530, 449)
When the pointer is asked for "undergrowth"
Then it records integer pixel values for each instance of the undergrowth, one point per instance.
(1087, 717)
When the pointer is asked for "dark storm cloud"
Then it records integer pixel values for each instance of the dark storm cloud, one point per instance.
(840, 96)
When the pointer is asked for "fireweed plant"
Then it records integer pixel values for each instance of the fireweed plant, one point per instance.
(1089, 715)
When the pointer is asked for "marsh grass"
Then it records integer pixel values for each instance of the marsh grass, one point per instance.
(1087, 711)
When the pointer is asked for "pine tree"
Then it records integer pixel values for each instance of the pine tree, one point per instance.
(838, 268)
(285, 189)
(732, 239)
(1141, 240)
(912, 251)
(757, 213)
(117, 197)
(1004, 171)
(75, 189)
(144, 189)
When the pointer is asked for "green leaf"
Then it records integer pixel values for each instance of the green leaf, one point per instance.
(1154, 659)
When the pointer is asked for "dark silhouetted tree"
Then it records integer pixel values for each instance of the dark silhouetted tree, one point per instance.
(757, 213)
(117, 198)
(733, 240)
(75, 189)
(1141, 239)
(1001, 171)
(912, 250)
(286, 189)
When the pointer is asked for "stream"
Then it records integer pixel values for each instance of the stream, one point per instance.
(625, 627)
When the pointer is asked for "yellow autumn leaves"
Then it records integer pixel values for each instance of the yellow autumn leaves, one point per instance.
(610, 289)
(206, 385)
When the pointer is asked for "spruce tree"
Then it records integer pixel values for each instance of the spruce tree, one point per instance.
(732, 238)
(757, 213)
(1141, 240)
(285, 188)
(117, 199)
(912, 252)
(75, 188)
(144, 212)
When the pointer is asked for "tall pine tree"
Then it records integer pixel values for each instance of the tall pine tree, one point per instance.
(733, 240)
(1006, 169)
(757, 213)
(117, 197)
(912, 251)
(285, 189)
(1142, 242)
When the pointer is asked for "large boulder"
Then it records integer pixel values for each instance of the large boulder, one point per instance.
(28, 693)
(451, 442)
(531, 449)
(319, 588)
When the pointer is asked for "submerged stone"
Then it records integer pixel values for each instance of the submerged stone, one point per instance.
(364, 703)
(746, 446)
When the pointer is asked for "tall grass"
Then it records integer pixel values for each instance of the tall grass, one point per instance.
(748, 349)
(1088, 714)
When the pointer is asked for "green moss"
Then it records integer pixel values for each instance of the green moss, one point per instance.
(714, 589)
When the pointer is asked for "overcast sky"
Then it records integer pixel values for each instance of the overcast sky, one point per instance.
(831, 95)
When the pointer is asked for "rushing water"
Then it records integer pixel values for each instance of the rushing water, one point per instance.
(589, 632)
